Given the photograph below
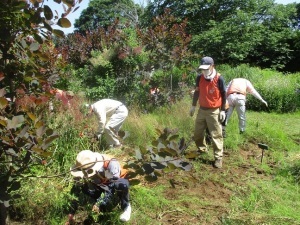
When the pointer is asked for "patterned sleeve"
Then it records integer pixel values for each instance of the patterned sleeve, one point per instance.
(196, 92)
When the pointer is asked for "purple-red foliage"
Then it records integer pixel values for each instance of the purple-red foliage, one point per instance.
(166, 39)
(77, 48)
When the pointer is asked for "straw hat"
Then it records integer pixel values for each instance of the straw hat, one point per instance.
(87, 164)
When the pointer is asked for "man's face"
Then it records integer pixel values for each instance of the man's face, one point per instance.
(208, 71)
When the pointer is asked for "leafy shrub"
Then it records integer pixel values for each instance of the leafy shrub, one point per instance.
(243, 70)
(139, 96)
(97, 82)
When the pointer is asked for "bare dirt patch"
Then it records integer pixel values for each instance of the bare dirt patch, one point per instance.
(208, 193)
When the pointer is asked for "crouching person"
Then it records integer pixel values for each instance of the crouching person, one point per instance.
(101, 177)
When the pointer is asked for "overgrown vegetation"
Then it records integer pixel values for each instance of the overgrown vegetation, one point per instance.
(124, 58)
(28, 60)
(245, 191)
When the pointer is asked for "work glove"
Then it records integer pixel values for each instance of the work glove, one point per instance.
(96, 209)
(192, 110)
(263, 101)
(98, 136)
(222, 116)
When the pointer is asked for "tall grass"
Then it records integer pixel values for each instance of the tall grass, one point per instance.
(281, 91)
(142, 127)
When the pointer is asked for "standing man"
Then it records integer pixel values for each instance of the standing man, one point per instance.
(237, 90)
(111, 115)
(101, 177)
(211, 92)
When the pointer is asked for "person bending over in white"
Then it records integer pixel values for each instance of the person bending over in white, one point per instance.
(111, 114)
(237, 90)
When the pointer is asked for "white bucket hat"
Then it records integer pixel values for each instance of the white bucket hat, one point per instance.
(87, 164)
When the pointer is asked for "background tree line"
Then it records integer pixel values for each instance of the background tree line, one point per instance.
(260, 33)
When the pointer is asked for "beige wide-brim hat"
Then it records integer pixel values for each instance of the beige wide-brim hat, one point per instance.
(87, 164)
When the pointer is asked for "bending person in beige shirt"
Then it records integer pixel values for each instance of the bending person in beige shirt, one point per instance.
(237, 90)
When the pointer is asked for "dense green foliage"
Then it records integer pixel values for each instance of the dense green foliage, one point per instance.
(257, 32)
(118, 63)
(102, 13)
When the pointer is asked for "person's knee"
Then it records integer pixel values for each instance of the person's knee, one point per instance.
(107, 129)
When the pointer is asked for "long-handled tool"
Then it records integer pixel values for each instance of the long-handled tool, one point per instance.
(263, 147)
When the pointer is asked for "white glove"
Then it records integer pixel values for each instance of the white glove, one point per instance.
(99, 136)
(263, 101)
(192, 110)
(222, 116)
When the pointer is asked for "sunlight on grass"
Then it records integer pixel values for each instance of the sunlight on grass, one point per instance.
(278, 201)
(253, 192)
(142, 127)
(145, 199)
(261, 201)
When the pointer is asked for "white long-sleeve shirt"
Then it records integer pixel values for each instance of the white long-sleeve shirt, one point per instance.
(104, 109)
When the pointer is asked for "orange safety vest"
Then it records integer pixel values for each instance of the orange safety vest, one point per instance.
(209, 93)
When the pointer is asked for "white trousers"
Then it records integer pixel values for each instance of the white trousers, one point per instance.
(237, 101)
(115, 122)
